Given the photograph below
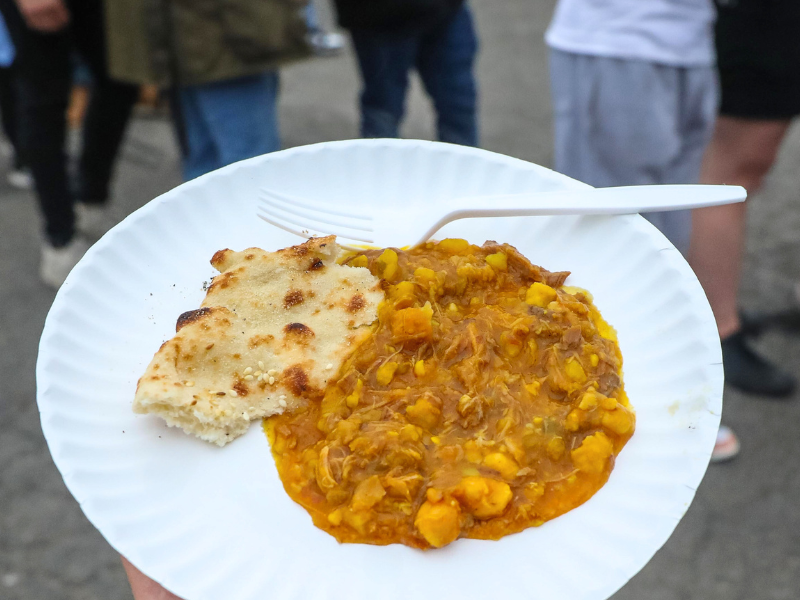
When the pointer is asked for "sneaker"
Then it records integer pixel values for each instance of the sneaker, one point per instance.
(93, 220)
(750, 372)
(326, 43)
(20, 179)
(727, 445)
(58, 262)
(753, 323)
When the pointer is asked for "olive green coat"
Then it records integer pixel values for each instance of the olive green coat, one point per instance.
(201, 41)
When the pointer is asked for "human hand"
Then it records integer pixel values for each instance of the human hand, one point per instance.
(143, 587)
(46, 16)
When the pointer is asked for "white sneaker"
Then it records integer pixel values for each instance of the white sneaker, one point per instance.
(58, 262)
(326, 43)
(20, 179)
(93, 220)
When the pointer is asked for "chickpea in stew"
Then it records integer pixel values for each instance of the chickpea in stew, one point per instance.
(488, 399)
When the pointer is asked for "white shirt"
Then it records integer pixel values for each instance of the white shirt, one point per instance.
(671, 32)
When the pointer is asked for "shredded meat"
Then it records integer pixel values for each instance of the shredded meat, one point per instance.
(485, 401)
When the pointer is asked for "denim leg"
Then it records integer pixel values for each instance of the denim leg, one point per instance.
(230, 121)
(385, 62)
(445, 63)
(312, 17)
(201, 155)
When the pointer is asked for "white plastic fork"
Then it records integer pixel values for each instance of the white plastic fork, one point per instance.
(400, 225)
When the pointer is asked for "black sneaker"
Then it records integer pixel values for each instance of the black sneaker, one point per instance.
(749, 372)
(754, 323)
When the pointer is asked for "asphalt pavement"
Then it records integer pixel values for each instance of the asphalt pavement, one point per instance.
(741, 537)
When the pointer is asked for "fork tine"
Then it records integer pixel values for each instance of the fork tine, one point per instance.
(310, 205)
(304, 233)
(303, 226)
(280, 224)
(292, 219)
(268, 204)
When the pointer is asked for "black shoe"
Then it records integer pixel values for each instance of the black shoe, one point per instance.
(753, 323)
(749, 372)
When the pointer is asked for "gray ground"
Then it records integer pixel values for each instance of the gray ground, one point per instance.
(741, 537)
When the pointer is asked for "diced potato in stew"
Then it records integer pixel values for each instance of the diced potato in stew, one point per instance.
(488, 399)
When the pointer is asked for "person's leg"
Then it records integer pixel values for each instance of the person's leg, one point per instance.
(109, 108)
(741, 152)
(324, 43)
(384, 62)
(312, 17)
(445, 62)
(8, 110)
(697, 109)
(617, 123)
(570, 119)
(44, 77)
(18, 175)
(240, 117)
(699, 101)
(200, 155)
(615, 119)
(758, 63)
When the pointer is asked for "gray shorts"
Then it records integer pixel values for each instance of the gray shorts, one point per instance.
(632, 122)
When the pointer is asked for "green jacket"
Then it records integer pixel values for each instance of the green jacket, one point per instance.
(201, 41)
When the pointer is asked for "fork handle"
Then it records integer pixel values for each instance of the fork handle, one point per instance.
(603, 201)
(591, 201)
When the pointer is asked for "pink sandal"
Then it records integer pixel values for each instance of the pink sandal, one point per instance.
(727, 445)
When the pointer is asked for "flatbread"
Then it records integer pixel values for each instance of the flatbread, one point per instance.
(273, 328)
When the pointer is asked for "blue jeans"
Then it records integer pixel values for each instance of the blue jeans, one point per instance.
(443, 56)
(228, 121)
(312, 17)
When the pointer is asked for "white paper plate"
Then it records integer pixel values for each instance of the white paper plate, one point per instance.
(212, 523)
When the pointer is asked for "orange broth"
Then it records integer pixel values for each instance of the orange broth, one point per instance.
(488, 399)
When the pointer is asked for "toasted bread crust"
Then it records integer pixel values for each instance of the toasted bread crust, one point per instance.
(273, 328)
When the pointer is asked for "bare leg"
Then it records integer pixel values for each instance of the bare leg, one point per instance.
(741, 152)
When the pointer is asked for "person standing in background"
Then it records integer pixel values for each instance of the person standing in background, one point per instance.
(435, 37)
(634, 92)
(45, 33)
(18, 176)
(759, 63)
(220, 58)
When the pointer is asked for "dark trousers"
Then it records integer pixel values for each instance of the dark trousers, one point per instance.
(8, 111)
(443, 55)
(44, 80)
